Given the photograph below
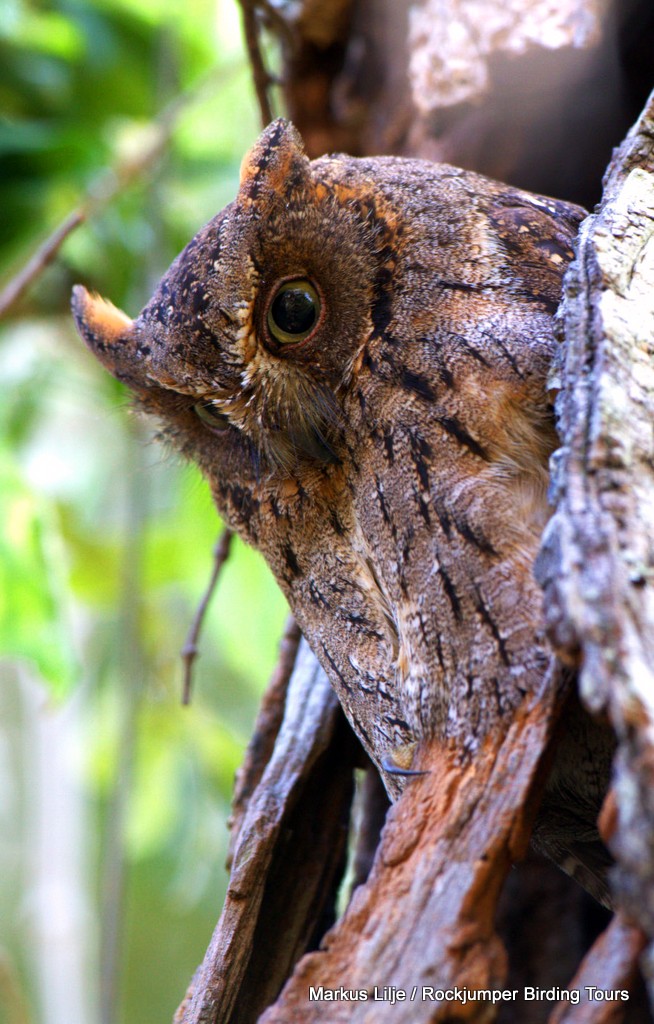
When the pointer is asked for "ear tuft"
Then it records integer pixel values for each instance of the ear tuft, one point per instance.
(276, 162)
(97, 319)
(111, 336)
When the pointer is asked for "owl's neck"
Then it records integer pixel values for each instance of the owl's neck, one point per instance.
(420, 605)
(465, 608)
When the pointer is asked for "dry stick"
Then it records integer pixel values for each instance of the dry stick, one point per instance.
(40, 260)
(190, 649)
(111, 183)
(262, 80)
(276, 21)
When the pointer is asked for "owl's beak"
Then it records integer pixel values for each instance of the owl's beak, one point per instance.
(111, 336)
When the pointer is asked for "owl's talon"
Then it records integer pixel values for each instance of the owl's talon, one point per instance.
(391, 768)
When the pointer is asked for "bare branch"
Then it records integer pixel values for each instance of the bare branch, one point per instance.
(276, 21)
(111, 183)
(190, 649)
(261, 78)
(40, 260)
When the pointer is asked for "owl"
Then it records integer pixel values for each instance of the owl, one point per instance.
(355, 353)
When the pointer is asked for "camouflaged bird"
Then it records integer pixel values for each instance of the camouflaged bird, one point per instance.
(355, 352)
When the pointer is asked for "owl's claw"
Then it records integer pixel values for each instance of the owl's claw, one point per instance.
(391, 768)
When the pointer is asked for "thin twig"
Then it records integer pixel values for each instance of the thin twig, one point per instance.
(260, 76)
(276, 21)
(40, 260)
(111, 183)
(190, 649)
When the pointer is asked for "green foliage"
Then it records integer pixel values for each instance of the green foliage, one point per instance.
(105, 539)
(33, 597)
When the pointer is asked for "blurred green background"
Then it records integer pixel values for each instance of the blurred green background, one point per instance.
(113, 798)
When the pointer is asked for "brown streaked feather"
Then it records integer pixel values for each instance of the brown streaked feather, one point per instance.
(391, 468)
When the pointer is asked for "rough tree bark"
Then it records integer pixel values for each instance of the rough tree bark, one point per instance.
(533, 93)
(597, 556)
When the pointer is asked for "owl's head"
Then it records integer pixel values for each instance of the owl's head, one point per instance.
(255, 329)
(355, 353)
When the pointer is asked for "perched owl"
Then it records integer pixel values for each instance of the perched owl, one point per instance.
(355, 353)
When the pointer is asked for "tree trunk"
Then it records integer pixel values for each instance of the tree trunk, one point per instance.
(536, 94)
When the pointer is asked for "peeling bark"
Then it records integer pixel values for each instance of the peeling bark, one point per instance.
(597, 557)
(610, 966)
(541, 110)
(533, 92)
(426, 916)
(290, 844)
(451, 46)
(264, 735)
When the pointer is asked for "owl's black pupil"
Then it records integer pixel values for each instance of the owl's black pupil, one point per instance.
(294, 311)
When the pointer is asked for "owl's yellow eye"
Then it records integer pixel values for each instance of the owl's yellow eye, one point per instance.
(293, 312)
(209, 414)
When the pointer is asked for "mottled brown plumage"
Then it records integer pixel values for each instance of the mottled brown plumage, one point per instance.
(388, 454)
